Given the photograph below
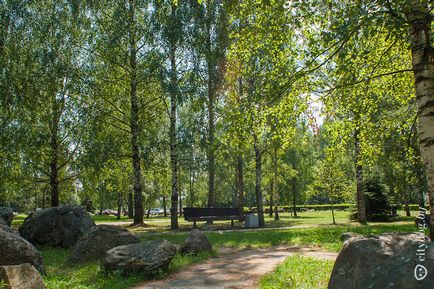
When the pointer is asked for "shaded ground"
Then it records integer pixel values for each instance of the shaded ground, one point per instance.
(234, 269)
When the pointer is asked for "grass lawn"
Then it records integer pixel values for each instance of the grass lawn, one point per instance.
(298, 273)
(309, 229)
(157, 224)
(160, 224)
(326, 237)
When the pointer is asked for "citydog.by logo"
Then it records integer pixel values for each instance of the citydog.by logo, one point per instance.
(420, 271)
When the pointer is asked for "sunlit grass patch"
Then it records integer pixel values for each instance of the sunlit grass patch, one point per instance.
(109, 218)
(326, 237)
(299, 273)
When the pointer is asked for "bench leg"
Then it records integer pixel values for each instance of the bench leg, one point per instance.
(194, 224)
(232, 223)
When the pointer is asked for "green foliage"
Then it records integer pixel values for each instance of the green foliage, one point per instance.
(331, 181)
(298, 272)
(2, 284)
(379, 208)
(322, 207)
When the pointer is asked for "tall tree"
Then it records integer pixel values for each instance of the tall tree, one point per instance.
(343, 23)
(48, 115)
(171, 36)
(212, 18)
(261, 56)
(123, 45)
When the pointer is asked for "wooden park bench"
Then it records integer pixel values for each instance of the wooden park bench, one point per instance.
(212, 214)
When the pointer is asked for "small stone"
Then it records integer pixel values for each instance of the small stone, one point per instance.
(23, 276)
(195, 243)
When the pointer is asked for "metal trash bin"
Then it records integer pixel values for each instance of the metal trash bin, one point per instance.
(251, 221)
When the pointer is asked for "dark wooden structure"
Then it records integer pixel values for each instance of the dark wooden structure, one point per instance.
(212, 214)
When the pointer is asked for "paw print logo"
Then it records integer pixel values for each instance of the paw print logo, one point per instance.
(420, 272)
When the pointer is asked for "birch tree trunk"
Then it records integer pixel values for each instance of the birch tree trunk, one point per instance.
(258, 187)
(240, 182)
(172, 132)
(360, 194)
(419, 18)
(138, 197)
(294, 198)
(240, 163)
(130, 206)
(164, 207)
(211, 101)
(191, 189)
(275, 189)
(119, 212)
(54, 147)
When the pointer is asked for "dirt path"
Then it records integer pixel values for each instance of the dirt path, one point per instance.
(234, 269)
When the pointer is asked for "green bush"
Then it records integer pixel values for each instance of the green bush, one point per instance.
(301, 208)
(377, 204)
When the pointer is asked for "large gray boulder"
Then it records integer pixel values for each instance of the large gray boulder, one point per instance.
(142, 258)
(58, 226)
(195, 243)
(22, 276)
(7, 214)
(97, 240)
(15, 250)
(384, 261)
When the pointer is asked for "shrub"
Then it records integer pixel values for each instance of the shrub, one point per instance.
(302, 208)
(377, 203)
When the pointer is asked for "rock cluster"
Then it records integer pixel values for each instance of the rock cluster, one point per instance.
(97, 240)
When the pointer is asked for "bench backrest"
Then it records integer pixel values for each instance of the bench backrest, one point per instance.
(210, 212)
